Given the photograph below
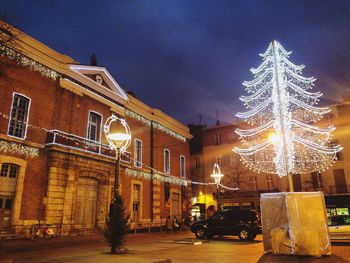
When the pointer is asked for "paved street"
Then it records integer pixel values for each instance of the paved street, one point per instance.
(153, 247)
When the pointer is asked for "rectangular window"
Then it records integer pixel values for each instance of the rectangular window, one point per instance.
(18, 122)
(197, 161)
(316, 180)
(269, 182)
(220, 160)
(166, 192)
(4, 169)
(136, 202)
(138, 153)
(9, 170)
(94, 127)
(8, 203)
(254, 183)
(182, 166)
(166, 161)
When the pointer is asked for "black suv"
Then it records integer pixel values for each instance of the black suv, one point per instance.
(244, 223)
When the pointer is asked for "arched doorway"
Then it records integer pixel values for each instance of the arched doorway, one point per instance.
(85, 202)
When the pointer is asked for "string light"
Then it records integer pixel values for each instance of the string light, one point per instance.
(16, 148)
(47, 72)
(156, 125)
(281, 108)
(11, 147)
(25, 61)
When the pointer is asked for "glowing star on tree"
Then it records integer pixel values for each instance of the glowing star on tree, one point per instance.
(282, 139)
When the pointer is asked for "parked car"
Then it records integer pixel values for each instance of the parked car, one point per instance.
(244, 223)
(339, 227)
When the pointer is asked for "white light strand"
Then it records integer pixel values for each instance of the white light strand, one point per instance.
(156, 176)
(25, 61)
(156, 125)
(281, 105)
(201, 183)
(229, 188)
(20, 149)
(62, 134)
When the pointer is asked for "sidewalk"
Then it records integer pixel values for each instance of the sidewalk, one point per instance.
(25, 250)
(154, 248)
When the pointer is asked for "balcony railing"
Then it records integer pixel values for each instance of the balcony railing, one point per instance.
(56, 137)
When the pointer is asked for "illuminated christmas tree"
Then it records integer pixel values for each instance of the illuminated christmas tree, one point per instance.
(281, 110)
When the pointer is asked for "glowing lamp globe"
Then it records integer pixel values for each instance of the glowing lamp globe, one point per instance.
(217, 175)
(119, 140)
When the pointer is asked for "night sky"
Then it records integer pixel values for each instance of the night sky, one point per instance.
(189, 58)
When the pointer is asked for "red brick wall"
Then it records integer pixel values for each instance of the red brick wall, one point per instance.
(53, 107)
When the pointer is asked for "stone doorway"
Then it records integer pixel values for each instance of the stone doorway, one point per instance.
(85, 202)
(175, 205)
(8, 180)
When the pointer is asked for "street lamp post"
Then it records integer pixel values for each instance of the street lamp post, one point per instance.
(217, 175)
(119, 138)
(119, 141)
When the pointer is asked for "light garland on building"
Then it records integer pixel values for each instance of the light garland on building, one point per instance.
(137, 117)
(281, 107)
(169, 132)
(156, 125)
(157, 176)
(20, 149)
(25, 61)
(64, 135)
(9, 147)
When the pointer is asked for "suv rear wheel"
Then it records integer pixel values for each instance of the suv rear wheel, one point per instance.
(200, 232)
(244, 234)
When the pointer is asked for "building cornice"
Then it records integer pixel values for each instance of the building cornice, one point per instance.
(61, 66)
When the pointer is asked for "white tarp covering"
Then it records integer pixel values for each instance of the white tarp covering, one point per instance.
(295, 223)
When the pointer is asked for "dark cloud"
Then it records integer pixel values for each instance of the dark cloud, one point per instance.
(189, 58)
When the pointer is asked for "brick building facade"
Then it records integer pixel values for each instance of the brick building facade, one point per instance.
(217, 143)
(56, 165)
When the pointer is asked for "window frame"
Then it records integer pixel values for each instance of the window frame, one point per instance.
(182, 166)
(8, 170)
(138, 201)
(137, 163)
(98, 136)
(269, 182)
(219, 159)
(26, 121)
(254, 183)
(166, 169)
